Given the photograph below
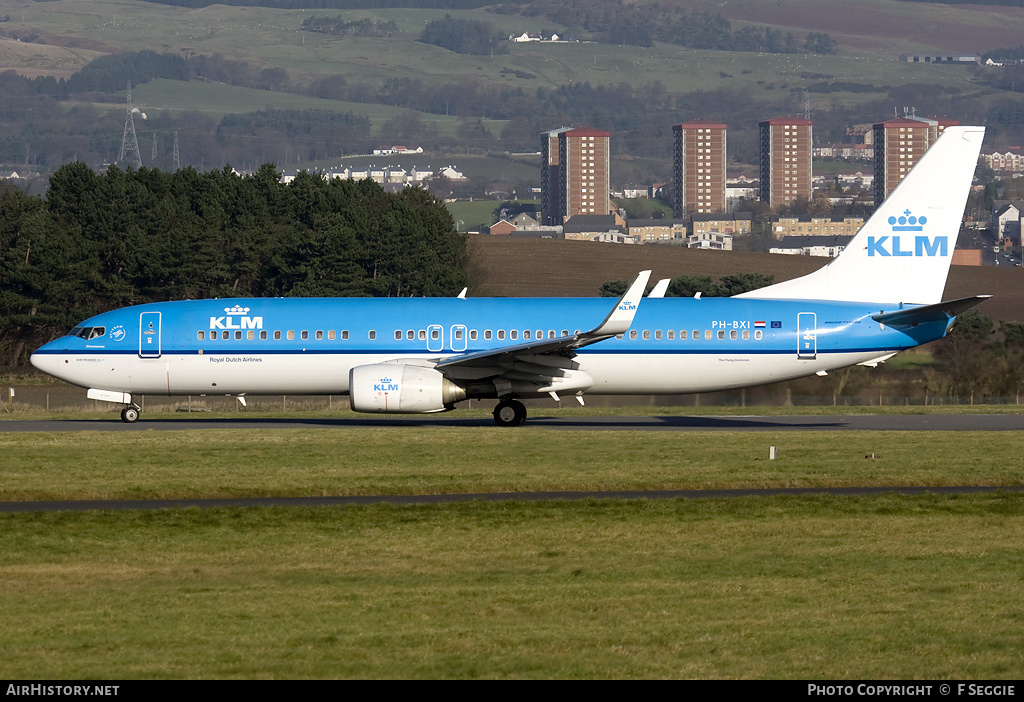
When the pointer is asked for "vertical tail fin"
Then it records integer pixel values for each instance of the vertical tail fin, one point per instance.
(903, 252)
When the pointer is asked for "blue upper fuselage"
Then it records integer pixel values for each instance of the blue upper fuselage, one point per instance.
(416, 326)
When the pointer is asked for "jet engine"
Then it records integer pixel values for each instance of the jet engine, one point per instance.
(397, 388)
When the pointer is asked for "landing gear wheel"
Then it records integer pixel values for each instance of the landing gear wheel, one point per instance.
(509, 413)
(130, 415)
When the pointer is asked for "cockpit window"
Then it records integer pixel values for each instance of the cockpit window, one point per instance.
(88, 332)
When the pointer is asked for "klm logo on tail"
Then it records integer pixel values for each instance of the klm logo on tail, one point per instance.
(906, 245)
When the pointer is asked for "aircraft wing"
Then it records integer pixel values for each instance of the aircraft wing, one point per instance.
(938, 312)
(617, 322)
(547, 363)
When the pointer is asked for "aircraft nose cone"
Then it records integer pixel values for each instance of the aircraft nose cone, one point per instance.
(46, 362)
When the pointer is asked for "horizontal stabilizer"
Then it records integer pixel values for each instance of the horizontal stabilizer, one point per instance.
(939, 312)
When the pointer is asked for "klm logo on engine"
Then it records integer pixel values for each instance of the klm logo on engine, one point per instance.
(237, 318)
(385, 385)
(903, 244)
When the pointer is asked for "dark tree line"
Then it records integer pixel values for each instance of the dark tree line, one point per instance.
(465, 36)
(690, 285)
(634, 24)
(103, 241)
(338, 27)
(334, 4)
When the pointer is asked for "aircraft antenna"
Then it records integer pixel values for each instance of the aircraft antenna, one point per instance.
(130, 142)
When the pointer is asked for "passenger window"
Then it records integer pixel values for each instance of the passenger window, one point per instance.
(238, 335)
(647, 335)
(372, 334)
(435, 334)
(263, 334)
(514, 334)
(410, 334)
(632, 333)
(707, 334)
(277, 335)
(304, 335)
(319, 335)
(344, 334)
(746, 334)
(682, 333)
(250, 335)
(423, 335)
(472, 334)
(526, 334)
(398, 335)
(487, 334)
(732, 335)
(757, 335)
(540, 334)
(671, 334)
(291, 335)
(565, 332)
(501, 335)
(201, 335)
(331, 335)
(696, 334)
(458, 335)
(721, 334)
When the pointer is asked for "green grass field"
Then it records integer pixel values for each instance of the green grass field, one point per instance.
(853, 588)
(442, 459)
(816, 587)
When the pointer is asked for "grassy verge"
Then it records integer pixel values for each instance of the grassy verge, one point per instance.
(444, 459)
(857, 588)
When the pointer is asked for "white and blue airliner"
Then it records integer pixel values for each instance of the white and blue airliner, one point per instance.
(882, 295)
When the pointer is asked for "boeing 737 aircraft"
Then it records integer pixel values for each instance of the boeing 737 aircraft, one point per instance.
(880, 296)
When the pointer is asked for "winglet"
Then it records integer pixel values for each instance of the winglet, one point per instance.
(462, 295)
(660, 288)
(621, 316)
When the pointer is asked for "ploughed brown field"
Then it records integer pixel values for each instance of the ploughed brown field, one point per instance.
(503, 266)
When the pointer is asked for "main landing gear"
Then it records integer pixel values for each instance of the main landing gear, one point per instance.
(130, 414)
(509, 413)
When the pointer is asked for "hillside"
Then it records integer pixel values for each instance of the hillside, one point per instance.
(881, 27)
(510, 267)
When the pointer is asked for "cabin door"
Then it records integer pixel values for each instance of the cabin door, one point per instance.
(149, 335)
(807, 335)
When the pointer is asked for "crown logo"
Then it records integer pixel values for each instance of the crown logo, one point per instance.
(908, 222)
(385, 380)
(237, 309)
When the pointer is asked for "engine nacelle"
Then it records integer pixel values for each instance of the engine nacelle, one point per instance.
(398, 388)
